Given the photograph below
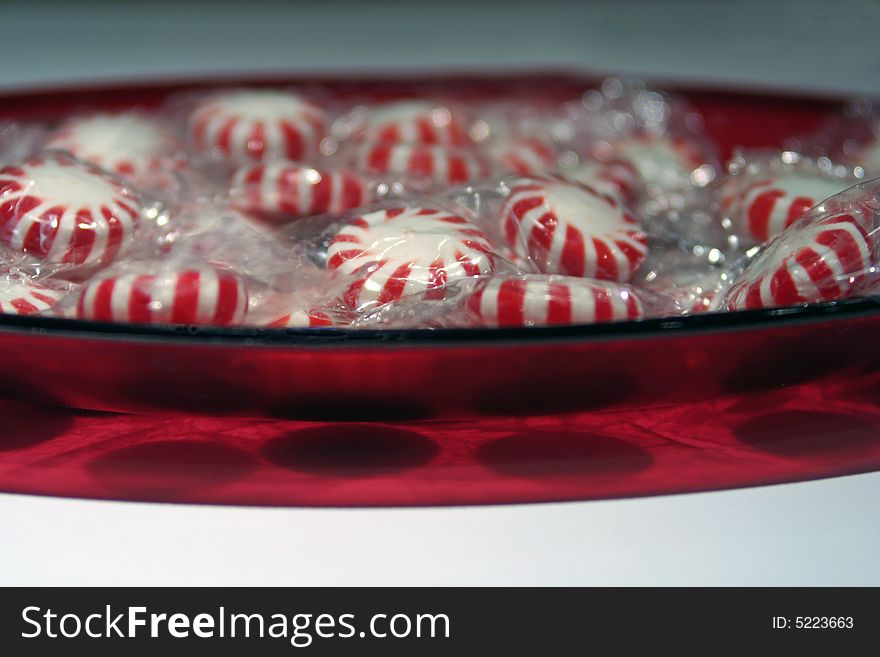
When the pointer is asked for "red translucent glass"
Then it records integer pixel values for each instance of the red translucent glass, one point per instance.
(791, 434)
(414, 417)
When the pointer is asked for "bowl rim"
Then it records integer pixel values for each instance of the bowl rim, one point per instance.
(324, 337)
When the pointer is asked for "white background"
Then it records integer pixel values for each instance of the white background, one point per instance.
(825, 532)
(821, 533)
(790, 43)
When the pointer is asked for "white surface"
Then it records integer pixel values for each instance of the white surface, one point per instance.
(819, 533)
(825, 532)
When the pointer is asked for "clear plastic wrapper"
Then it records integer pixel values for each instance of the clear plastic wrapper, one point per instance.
(298, 318)
(68, 214)
(523, 156)
(223, 237)
(429, 144)
(24, 294)
(421, 167)
(659, 134)
(767, 191)
(516, 137)
(342, 268)
(173, 291)
(446, 310)
(278, 208)
(523, 115)
(427, 121)
(400, 250)
(648, 149)
(301, 300)
(19, 141)
(538, 300)
(569, 228)
(524, 300)
(284, 191)
(695, 283)
(233, 127)
(617, 178)
(134, 145)
(830, 253)
(851, 137)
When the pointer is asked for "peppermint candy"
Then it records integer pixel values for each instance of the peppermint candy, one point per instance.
(617, 178)
(402, 251)
(663, 162)
(523, 156)
(23, 297)
(538, 300)
(570, 228)
(175, 296)
(421, 162)
(285, 190)
(64, 211)
(127, 144)
(818, 262)
(765, 208)
(301, 319)
(248, 125)
(415, 122)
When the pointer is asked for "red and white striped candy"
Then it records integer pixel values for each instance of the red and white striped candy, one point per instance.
(403, 251)
(537, 300)
(285, 190)
(617, 178)
(301, 319)
(569, 228)
(421, 162)
(126, 144)
(62, 210)
(24, 297)
(185, 296)
(662, 161)
(767, 207)
(523, 156)
(416, 122)
(818, 262)
(248, 125)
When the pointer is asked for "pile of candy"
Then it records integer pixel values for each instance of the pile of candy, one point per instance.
(272, 208)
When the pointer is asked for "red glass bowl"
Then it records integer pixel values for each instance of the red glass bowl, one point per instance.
(336, 375)
(442, 417)
(794, 433)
